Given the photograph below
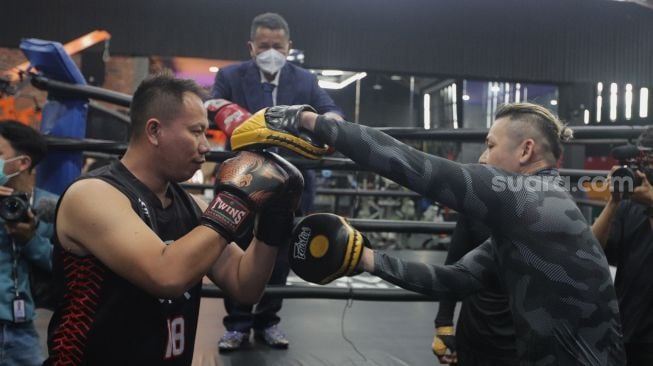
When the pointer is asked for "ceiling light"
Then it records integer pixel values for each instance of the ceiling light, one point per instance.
(332, 72)
(295, 56)
(214, 69)
(325, 84)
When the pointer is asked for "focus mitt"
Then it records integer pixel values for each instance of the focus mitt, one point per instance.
(226, 115)
(278, 126)
(325, 247)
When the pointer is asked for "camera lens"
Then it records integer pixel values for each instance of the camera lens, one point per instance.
(13, 208)
(624, 180)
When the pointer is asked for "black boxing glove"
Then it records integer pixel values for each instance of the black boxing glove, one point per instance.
(243, 185)
(325, 247)
(275, 219)
(278, 126)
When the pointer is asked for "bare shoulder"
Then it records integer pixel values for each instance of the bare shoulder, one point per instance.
(91, 194)
(89, 208)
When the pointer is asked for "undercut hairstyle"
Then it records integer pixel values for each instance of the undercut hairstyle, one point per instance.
(272, 21)
(533, 118)
(645, 139)
(24, 139)
(159, 96)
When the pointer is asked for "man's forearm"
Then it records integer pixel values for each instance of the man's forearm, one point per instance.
(255, 268)
(427, 279)
(367, 260)
(603, 224)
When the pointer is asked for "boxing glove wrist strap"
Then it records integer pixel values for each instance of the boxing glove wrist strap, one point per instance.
(228, 214)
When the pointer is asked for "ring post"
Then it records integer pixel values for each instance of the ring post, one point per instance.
(63, 116)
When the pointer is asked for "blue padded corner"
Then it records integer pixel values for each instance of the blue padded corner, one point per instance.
(51, 60)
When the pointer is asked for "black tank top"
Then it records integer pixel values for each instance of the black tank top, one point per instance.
(106, 320)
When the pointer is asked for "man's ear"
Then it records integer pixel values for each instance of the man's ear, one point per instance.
(153, 131)
(25, 163)
(527, 151)
(250, 48)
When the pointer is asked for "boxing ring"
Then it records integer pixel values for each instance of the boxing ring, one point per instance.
(377, 323)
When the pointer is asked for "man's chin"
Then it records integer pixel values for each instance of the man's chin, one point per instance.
(183, 179)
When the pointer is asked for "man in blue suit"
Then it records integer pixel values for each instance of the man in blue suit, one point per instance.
(265, 81)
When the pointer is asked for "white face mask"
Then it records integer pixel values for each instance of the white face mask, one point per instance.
(270, 61)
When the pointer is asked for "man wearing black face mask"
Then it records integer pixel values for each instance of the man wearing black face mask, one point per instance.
(264, 81)
(624, 229)
(24, 241)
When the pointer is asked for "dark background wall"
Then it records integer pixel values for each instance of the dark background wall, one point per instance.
(388, 106)
(552, 41)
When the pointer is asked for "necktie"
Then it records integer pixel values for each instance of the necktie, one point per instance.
(267, 94)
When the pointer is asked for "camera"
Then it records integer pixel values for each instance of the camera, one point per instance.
(631, 158)
(14, 207)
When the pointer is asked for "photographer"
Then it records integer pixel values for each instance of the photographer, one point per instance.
(624, 231)
(24, 240)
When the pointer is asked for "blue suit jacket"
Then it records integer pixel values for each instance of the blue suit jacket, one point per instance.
(241, 84)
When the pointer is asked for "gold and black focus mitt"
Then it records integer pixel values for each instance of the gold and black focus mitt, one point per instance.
(278, 126)
(325, 247)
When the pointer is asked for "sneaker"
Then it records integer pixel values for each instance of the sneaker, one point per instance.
(232, 340)
(272, 336)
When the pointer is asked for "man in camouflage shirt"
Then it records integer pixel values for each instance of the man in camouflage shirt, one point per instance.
(541, 251)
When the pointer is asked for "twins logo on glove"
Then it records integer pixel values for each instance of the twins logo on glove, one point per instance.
(245, 184)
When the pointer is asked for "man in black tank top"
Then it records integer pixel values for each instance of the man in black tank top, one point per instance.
(132, 246)
(542, 250)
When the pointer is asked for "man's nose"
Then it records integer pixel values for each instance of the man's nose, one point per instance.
(204, 146)
(483, 158)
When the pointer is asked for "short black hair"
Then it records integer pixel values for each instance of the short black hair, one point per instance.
(159, 96)
(24, 139)
(271, 21)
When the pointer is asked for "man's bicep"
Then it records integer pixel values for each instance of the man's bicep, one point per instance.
(96, 218)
